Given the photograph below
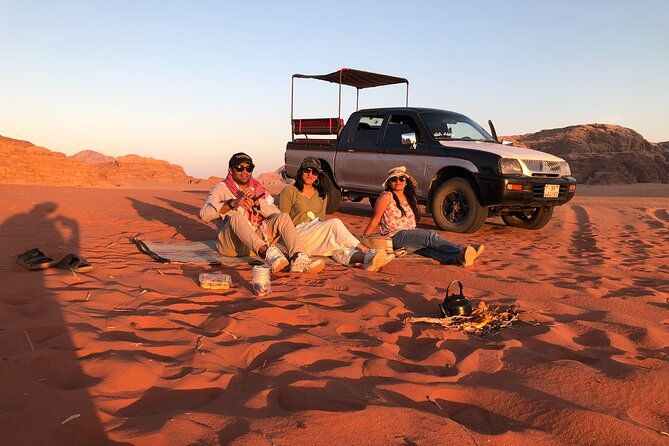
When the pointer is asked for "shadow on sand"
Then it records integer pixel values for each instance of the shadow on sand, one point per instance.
(39, 356)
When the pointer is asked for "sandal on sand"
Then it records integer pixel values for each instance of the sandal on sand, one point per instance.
(35, 260)
(467, 256)
(75, 263)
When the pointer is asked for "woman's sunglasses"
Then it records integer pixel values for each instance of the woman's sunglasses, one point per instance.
(310, 170)
(396, 179)
(240, 168)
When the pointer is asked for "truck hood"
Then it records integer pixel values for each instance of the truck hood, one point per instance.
(502, 150)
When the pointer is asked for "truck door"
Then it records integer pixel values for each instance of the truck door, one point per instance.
(355, 157)
(394, 153)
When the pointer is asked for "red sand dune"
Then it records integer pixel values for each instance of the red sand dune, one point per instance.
(144, 356)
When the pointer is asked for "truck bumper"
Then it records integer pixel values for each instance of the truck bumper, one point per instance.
(523, 191)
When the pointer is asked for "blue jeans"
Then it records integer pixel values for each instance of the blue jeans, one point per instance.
(427, 243)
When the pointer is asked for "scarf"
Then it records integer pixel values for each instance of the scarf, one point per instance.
(254, 216)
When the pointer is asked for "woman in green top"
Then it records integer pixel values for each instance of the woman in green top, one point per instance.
(305, 202)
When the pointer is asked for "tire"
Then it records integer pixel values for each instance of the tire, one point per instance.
(532, 221)
(333, 194)
(372, 201)
(456, 208)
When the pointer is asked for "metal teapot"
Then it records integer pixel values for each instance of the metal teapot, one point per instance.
(455, 304)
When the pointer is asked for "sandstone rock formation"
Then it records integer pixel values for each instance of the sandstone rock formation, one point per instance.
(21, 162)
(272, 182)
(24, 163)
(603, 154)
(92, 157)
(135, 167)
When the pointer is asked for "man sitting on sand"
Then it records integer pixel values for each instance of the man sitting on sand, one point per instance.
(248, 221)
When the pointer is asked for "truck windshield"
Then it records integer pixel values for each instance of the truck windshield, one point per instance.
(451, 126)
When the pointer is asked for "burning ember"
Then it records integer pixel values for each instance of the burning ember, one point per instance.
(485, 320)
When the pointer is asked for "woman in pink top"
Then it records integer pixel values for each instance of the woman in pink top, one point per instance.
(396, 213)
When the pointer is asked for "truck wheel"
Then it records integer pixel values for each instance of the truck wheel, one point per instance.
(333, 194)
(536, 219)
(456, 208)
(372, 201)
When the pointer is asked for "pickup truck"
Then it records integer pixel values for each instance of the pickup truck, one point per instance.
(464, 174)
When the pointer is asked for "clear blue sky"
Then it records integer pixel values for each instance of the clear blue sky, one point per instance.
(193, 82)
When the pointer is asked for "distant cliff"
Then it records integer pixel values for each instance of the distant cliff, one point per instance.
(603, 154)
(92, 157)
(21, 162)
(24, 163)
(147, 169)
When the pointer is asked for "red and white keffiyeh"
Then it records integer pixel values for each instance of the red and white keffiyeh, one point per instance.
(254, 216)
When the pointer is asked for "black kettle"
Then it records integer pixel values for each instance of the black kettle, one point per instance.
(455, 304)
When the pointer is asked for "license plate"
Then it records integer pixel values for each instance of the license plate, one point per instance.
(551, 191)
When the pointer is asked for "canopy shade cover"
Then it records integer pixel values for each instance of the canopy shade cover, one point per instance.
(356, 78)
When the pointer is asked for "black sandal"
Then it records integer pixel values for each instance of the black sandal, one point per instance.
(35, 260)
(74, 263)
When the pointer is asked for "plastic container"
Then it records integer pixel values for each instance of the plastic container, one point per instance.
(261, 278)
(215, 281)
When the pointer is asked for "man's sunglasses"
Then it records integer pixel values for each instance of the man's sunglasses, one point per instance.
(240, 168)
(396, 179)
(310, 170)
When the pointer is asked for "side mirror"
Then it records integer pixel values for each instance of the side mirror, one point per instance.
(409, 139)
(506, 142)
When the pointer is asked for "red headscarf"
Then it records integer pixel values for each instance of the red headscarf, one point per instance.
(258, 192)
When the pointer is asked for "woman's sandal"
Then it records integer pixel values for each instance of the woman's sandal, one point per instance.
(74, 263)
(35, 260)
(467, 256)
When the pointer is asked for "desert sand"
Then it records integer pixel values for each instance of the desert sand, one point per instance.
(136, 353)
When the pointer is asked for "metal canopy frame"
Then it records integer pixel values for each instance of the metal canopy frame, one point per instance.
(348, 76)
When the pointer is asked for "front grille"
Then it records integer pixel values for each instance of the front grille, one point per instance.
(542, 167)
(538, 192)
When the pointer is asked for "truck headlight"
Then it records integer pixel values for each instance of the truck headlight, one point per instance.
(564, 169)
(509, 166)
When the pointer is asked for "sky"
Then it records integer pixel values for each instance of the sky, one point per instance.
(193, 82)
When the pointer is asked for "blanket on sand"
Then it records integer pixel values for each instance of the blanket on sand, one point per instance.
(204, 253)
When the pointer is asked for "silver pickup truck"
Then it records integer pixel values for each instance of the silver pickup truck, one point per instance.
(464, 174)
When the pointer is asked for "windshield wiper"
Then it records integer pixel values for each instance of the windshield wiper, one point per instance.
(464, 139)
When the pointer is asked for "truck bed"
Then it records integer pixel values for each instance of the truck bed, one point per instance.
(296, 151)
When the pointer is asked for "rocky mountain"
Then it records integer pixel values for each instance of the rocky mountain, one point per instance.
(597, 154)
(24, 163)
(135, 167)
(272, 182)
(21, 162)
(603, 154)
(92, 157)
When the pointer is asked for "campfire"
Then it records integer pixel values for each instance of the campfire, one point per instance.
(484, 320)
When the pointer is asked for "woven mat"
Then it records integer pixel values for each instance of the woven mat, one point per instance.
(203, 253)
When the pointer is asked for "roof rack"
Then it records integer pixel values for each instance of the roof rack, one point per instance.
(354, 78)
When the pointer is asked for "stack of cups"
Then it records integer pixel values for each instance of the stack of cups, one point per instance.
(262, 284)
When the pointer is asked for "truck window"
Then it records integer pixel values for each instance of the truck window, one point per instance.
(447, 125)
(397, 126)
(367, 131)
